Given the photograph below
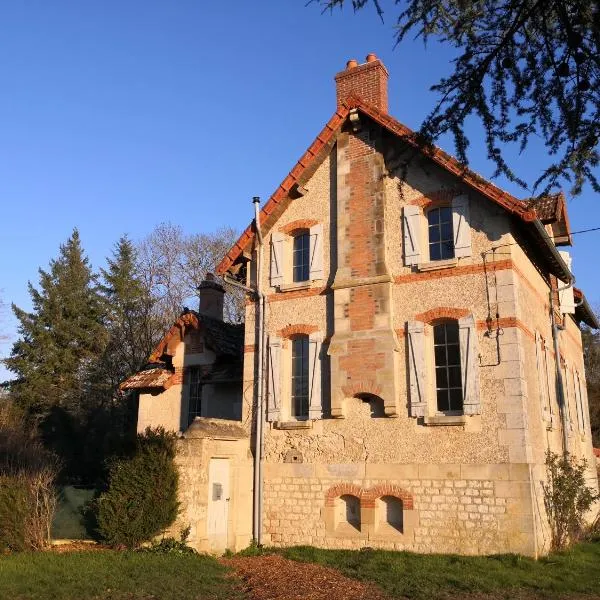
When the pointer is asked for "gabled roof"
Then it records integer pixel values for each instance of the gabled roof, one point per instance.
(552, 210)
(155, 377)
(308, 163)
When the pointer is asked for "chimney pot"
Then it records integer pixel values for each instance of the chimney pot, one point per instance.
(351, 64)
(371, 57)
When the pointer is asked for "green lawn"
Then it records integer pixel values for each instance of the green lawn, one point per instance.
(112, 575)
(402, 574)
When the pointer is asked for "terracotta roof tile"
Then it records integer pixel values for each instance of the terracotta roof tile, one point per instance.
(157, 377)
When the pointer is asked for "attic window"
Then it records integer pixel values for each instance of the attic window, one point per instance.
(441, 239)
(302, 256)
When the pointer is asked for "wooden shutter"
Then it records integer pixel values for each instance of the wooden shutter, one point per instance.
(277, 247)
(566, 395)
(550, 385)
(579, 402)
(274, 379)
(315, 410)
(417, 370)
(411, 217)
(469, 365)
(316, 251)
(461, 226)
(540, 360)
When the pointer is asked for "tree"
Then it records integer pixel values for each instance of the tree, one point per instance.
(61, 339)
(173, 265)
(591, 353)
(525, 68)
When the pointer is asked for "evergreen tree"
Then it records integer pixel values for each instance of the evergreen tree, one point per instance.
(61, 338)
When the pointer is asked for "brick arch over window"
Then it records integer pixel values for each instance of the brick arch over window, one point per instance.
(442, 312)
(431, 199)
(298, 224)
(362, 387)
(387, 489)
(299, 329)
(343, 489)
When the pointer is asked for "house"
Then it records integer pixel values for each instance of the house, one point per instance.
(411, 351)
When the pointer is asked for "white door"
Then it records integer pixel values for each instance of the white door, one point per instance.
(218, 503)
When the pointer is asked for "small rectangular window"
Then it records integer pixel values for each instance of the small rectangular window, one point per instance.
(448, 380)
(194, 393)
(441, 237)
(301, 257)
(300, 377)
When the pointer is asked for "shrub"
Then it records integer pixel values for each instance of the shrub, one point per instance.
(141, 496)
(170, 545)
(567, 498)
(27, 476)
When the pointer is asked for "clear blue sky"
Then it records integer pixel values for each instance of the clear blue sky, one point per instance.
(116, 116)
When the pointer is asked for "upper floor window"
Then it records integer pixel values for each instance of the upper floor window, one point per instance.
(448, 380)
(300, 362)
(301, 257)
(441, 237)
(194, 394)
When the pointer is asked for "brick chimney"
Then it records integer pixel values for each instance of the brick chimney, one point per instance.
(211, 297)
(367, 81)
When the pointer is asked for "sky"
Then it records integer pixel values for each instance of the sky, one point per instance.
(116, 116)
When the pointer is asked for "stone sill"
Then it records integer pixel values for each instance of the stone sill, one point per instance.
(298, 285)
(293, 424)
(435, 265)
(444, 420)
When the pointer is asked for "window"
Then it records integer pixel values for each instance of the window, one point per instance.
(301, 257)
(390, 512)
(448, 381)
(194, 394)
(348, 511)
(441, 242)
(300, 377)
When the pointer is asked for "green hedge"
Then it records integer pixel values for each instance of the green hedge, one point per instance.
(15, 508)
(141, 497)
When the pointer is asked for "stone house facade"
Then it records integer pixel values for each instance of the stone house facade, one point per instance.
(404, 323)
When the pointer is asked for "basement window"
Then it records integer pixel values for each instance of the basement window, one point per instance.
(390, 512)
(348, 512)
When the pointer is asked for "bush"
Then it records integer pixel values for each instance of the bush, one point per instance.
(141, 497)
(567, 498)
(27, 495)
(170, 545)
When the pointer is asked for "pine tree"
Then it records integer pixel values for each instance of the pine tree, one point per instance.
(61, 338)
(131, 325)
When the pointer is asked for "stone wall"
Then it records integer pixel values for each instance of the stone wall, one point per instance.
(468, 509)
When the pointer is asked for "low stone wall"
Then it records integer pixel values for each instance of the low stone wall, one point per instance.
(467, 509)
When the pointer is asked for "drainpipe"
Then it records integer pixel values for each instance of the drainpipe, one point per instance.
(258, 450)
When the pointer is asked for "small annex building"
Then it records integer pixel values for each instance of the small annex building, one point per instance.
(411, 350)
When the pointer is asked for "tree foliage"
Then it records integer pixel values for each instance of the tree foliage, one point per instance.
(140, 501)
(61, 337)
(526, 68)
(591, 354)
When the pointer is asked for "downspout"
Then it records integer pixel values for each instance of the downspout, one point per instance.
(570, 281)
(257, 492)
(258, 449)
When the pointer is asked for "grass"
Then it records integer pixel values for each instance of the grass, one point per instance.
(426, 576)
(108, 575)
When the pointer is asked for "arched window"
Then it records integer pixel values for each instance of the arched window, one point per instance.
(301, 256)
(441, 237)
(348, 511)
(299, 408)
(448, 381)
(390, 512)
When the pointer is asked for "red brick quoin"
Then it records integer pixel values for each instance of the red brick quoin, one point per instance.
(368, 496)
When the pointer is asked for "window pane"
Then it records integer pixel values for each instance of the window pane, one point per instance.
(435, 252)
(300, 376)
(445, 214)
(433, 216)
(453, 354)
(441, 377)
(447, 250)
(434, 234)
(454, 377)
(440, 356)
(442, 400)
(439, 336)
(452, 332)
(456, 401)
(446, 230)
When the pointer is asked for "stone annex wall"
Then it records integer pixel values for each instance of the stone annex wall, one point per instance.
(469, 509)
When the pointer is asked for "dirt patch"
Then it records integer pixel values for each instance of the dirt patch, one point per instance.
(273, 577)
(75, 546)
